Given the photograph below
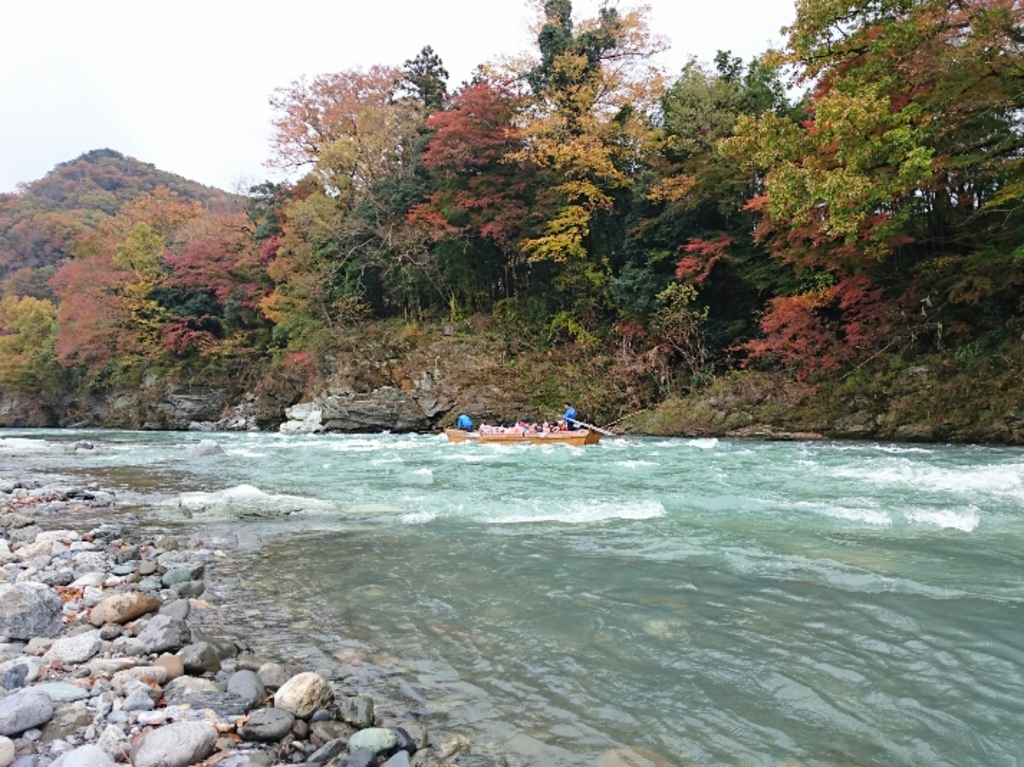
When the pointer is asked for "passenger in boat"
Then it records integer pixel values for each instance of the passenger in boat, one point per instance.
(569, 417)
(464, 423)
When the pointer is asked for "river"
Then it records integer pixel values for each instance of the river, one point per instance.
(699, 601)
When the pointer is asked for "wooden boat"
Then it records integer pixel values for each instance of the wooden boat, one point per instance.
(577, 438)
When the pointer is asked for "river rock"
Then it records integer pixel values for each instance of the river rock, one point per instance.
(251, 758)
(199, 658)
(155, 674)
(29, 610)
(329, 750)
(361, 757)
(177, 690)
(177, 608)
(174, 745)
(203, 449)
(247, 685)
(67, 719)
(6, 751)
(192, 571)
(225, 705)
(267, 725)
(84, 756)
(321, 733)
(401, 759)
(74, 649)
(62, 692)
(122, 608)
(630, 757)
(164, 633)
(189, 589)
(24, 710)
(303, 694)
(14, 677)
(357, 711)
(172, 664)
(139, 700)
(379, 740)
(273, 675)
(114, 742)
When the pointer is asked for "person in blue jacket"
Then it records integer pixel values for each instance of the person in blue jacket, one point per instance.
(464, 423)
(569, 416)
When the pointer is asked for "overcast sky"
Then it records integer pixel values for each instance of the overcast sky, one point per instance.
(184, 85)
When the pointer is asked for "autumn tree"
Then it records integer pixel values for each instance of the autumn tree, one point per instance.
(908, 163)
(589, 129)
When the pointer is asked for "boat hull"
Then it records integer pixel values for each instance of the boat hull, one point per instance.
(574, 438)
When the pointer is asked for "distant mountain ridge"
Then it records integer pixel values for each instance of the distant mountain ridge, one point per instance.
(39, 223)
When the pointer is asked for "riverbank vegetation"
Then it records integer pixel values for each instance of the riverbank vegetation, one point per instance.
(830, 218)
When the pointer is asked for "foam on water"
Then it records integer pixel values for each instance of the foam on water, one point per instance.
(245, 501)
(1006, 479)
(708, 443)
(636, 464)
(419, 517)
(584, 512)
(871, 516)
(23, 445)
(966, 521)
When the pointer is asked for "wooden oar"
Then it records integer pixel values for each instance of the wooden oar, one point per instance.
(599, 430)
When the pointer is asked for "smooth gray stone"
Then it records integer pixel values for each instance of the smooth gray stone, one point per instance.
(328, 751)
(176, 690)
(62, 692)
(29, 610)
(401, 759)
(149, 584)
(224, 704)
(273, 675)
(247, 685)
(189, 589)
(199, 658)
(179, 608)
(405, 740)
(126, 555)
(84, 756)
(183, 573)
(164, 633)
(174, 745)
(123, 570)
(14, 677)
(361, 757)
(138, 701)
(267, 725)
(24, 710)
(380, 740)
(251, 758)
(147, 567)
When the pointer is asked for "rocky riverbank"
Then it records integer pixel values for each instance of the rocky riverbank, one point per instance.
(105, 657)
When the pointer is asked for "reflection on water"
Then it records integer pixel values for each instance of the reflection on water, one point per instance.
(705, 601)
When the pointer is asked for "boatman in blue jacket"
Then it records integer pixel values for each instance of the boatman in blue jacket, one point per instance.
(464, 423)
(570, 417)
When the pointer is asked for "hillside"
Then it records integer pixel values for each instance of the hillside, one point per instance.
(40, 223)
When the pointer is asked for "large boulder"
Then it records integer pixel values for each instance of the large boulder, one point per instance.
(385, 409)
(29, 610)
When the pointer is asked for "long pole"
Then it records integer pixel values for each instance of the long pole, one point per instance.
(598, 429)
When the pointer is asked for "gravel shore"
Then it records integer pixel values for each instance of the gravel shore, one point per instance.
(105, 658)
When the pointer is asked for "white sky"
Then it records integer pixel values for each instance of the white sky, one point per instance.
(184, 85)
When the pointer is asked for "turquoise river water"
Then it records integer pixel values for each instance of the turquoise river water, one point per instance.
(704, 602)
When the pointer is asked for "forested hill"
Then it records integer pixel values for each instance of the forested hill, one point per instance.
(859, 239)
(39, 224)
